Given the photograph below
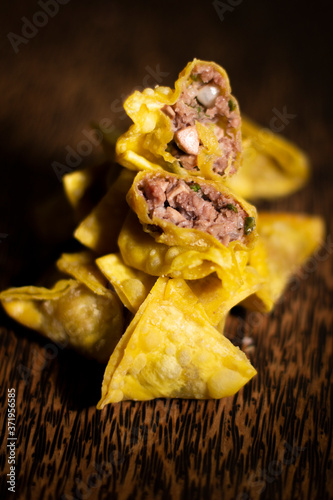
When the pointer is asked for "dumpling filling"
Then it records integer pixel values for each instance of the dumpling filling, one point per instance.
(188, 204)
(205, 100)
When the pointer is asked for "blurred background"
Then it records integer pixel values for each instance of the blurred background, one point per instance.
(66, 63)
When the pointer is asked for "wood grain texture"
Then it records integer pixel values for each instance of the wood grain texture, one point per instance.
(274, 438)
(271, 440)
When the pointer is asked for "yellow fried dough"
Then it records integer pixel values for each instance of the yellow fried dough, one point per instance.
(171, 350)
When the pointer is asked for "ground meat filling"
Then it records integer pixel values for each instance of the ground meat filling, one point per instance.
(204, 100)
(199, 206)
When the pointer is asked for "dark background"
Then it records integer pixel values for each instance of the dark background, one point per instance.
(90, 56)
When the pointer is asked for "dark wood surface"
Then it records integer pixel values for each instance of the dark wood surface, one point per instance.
(274, 438)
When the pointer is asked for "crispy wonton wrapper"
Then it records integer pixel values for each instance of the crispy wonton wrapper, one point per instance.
(171, 234)
(82, 267)
(148, 143)
(272, 166)
(217, 299)
(82, 313)
(85, 188)
(131, 285)
(99, 230)
(171, 350)
(140, 251)
(286, 241)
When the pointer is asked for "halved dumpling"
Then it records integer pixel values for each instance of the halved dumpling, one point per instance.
(200, 214)
(194, 129)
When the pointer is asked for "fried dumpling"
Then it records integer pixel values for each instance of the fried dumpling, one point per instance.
(286, 241)
(171, 350)
(80, 313)
(131, 285)
(193, 129)
(199, 215)
(140, 251)
(99, 230)
(272, 166)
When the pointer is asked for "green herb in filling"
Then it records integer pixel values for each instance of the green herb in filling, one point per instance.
(199, 108)
(249, 225)
(232, 207)
(195, 187)
(232, 105)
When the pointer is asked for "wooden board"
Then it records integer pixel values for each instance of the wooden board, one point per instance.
(273, 438)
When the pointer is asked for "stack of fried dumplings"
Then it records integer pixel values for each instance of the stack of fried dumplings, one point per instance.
(175, 242)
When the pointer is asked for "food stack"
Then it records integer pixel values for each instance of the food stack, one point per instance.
(175, 242)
